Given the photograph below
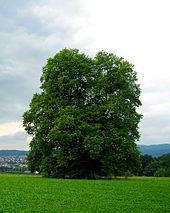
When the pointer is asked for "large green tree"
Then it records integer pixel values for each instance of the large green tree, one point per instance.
(84, 122)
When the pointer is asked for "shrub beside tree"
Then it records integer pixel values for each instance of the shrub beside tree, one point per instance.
(155, 166)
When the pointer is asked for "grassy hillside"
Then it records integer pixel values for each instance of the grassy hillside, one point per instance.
(36, 194)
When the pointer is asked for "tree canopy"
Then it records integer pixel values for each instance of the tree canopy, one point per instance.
(84, 122)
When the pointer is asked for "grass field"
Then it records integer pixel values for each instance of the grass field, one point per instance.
(24, 193)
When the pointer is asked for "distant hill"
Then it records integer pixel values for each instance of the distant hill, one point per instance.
(155, 150)
(6, 153)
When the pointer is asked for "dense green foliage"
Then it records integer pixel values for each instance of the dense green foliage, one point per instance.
(13, 170)
(36, 194)
(155, 166)
(84, 121)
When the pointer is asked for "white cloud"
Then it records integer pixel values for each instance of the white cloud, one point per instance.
(161, 108)
(14, 146)
(29, 138)
(11, 128)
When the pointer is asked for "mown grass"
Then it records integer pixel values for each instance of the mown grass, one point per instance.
(22, 193)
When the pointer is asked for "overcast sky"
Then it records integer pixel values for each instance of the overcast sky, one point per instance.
(32, 31)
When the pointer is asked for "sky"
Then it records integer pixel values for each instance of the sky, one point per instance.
(33, 31)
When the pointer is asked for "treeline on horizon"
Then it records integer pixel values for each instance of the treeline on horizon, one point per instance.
(154, 166)
(150, 166)
(13, 170)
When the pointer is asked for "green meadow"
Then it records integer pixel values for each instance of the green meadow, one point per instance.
(26, 193)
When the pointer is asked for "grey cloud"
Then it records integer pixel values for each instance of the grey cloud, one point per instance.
(18, 141)
(155, 125)
(28, 37)
(155, 130)
(156, 86)
(14, 94)
(60, 17)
